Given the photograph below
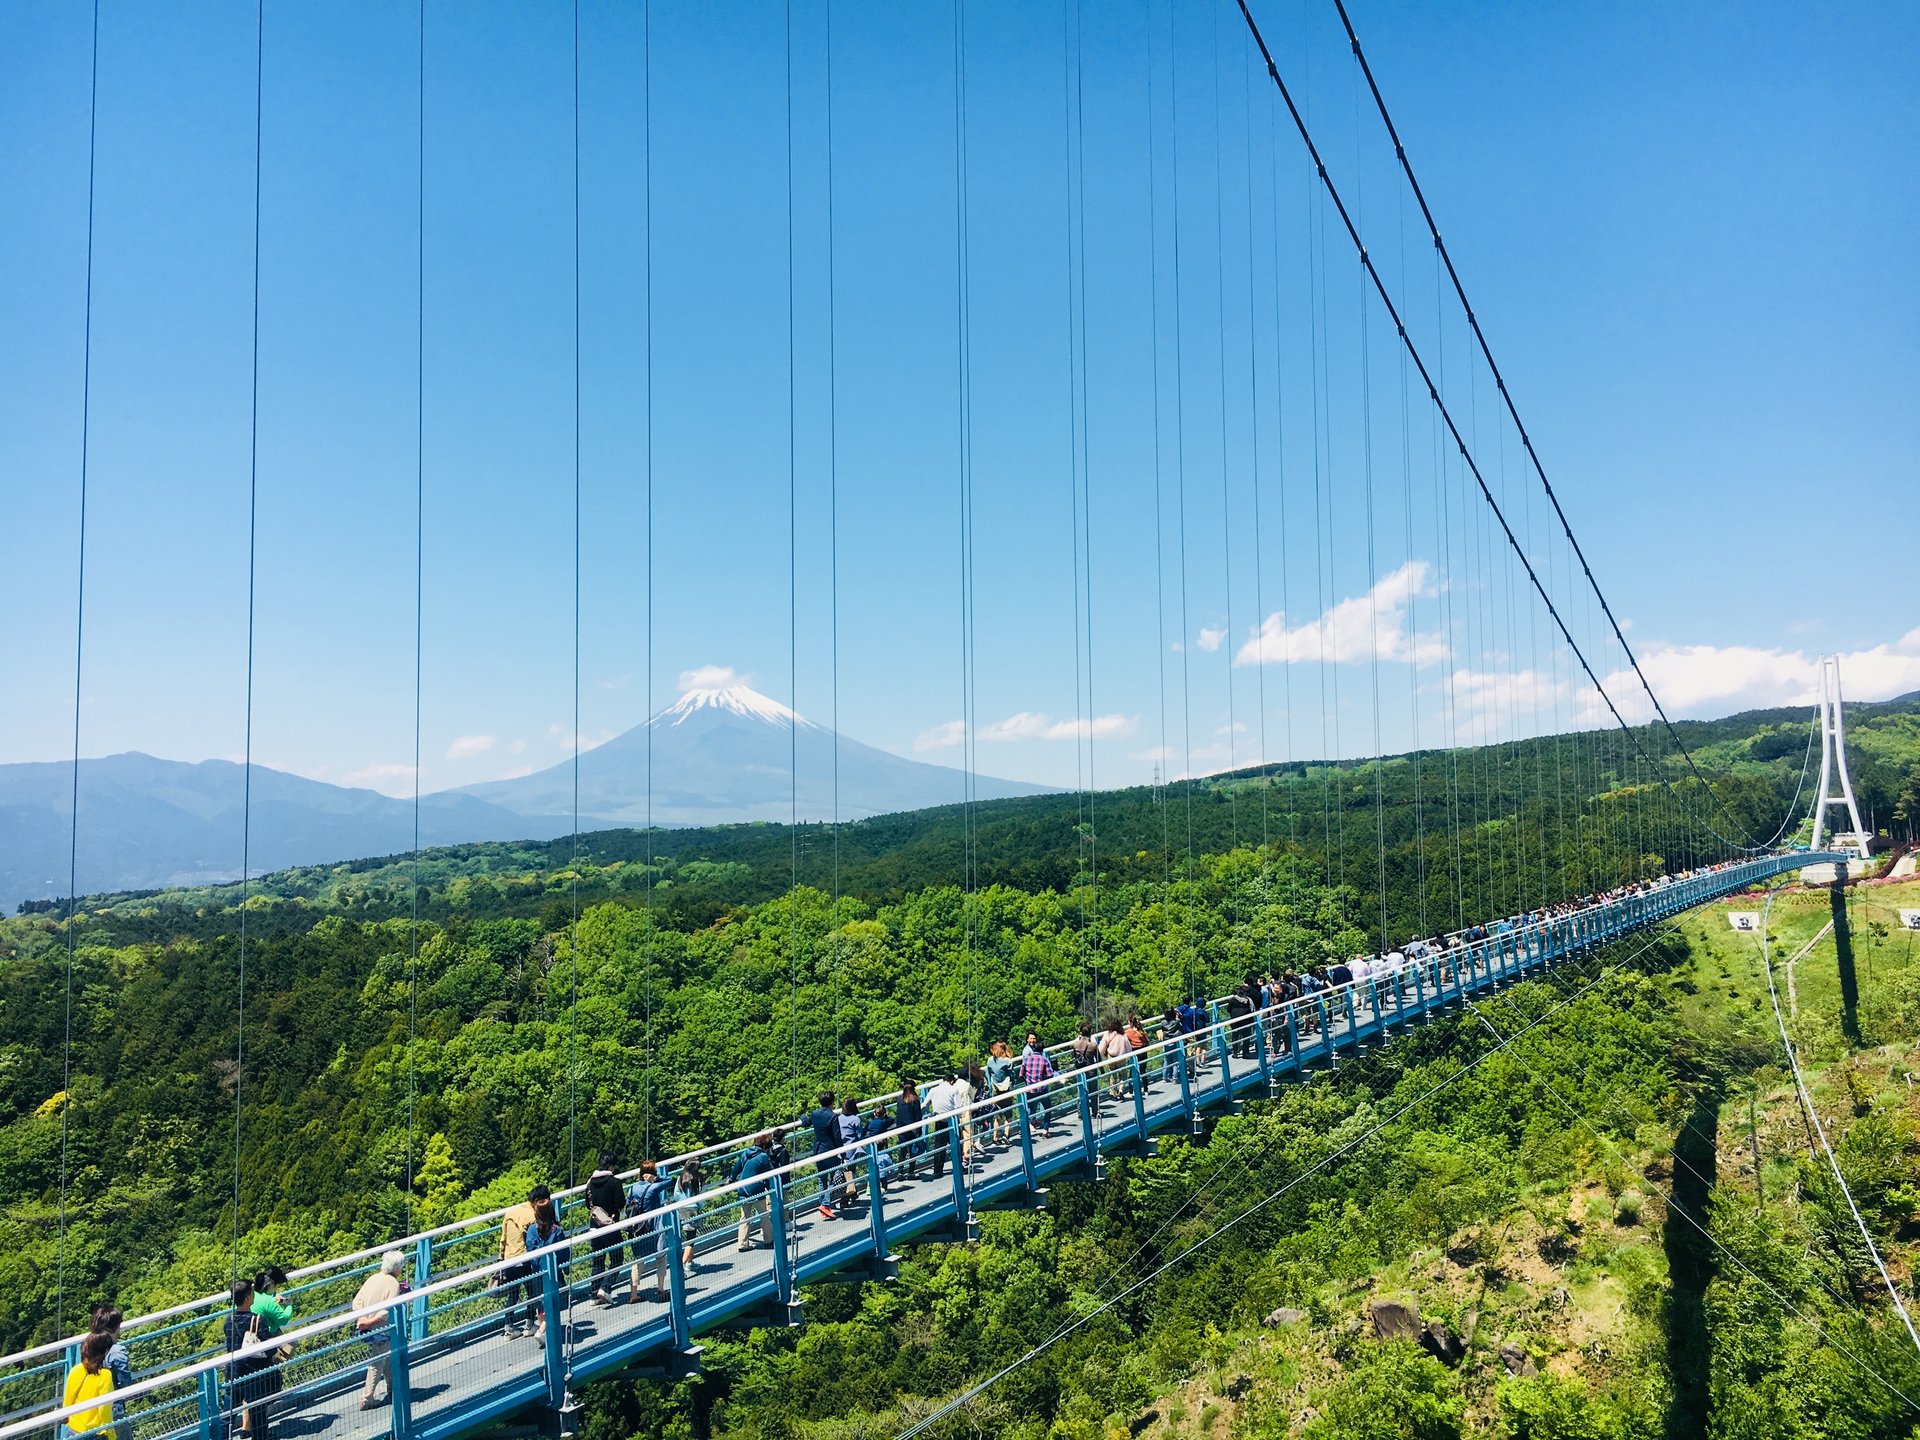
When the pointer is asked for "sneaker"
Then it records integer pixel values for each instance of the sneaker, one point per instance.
(827, 1212)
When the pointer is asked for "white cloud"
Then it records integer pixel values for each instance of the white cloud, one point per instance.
(519, 747)
(467, 746)
(942, 736)
(1503, 695)
(710, 677)
(1209, 638)
(1349, 631)
(1238, 727)
(387, 779)
(1026, 725)
(565, 739)
(1705, 680)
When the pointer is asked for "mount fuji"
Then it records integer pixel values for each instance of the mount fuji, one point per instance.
(719, 754)
(726, 753)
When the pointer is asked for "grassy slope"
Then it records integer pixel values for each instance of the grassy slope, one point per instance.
(1576, 1278)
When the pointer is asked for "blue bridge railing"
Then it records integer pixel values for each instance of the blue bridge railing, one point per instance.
(735, 1254)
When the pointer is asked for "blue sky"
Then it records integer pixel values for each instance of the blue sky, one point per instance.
(1685, 231)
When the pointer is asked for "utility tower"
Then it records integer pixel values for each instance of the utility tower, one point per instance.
(1833, 756)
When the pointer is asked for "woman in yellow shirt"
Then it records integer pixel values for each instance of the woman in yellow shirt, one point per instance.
(90, 1380)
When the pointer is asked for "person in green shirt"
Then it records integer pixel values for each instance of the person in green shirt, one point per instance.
(272, 1315)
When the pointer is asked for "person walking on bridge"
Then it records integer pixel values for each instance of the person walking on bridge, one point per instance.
(825, 1127)
(544, 1233)
(908, 1111)
(606, 1198)
(1036, 1068)
(649, 1195)
(754, 1163)
(947, 1100)
(373, 1302)
(516, 1281)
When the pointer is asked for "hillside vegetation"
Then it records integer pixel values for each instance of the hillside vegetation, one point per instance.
(1517, 1196)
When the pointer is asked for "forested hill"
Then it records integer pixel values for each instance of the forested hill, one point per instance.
(1466, 832)
(542, 1008)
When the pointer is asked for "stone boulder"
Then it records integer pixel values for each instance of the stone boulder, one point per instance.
(1441, 1343)
(1394, 1321)
(1517, 1361)
(1285, 1315)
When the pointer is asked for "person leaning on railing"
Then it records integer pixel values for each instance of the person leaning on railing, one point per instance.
(752, 1164)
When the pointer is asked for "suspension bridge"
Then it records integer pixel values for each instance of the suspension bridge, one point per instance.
(457, 1367)
(1557, 889)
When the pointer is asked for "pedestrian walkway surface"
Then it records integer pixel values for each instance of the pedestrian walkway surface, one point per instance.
(456, 1369)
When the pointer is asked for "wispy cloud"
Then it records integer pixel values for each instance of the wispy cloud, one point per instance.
(566, 738)
(1700, 680)
(1026, 725)
(942, 736)
(1349, 631)
(467, 746)
(1209, 638)
(711, 677)
(387, 779)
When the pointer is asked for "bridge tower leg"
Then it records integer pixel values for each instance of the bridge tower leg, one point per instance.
(1833, 757)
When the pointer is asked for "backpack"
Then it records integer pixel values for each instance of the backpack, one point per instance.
(645, 1199)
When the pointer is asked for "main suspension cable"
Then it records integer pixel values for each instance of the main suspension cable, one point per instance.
(79, 637)
(1400, 153)
(1433, 393)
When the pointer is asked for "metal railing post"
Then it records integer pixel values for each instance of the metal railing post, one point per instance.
(555, 1367)
(1026, 1140)
(399, 1374)
(676, 1282)
(782, 1261)
(422, 1273)
(876, 1205)
(1089, 1142)
(208, 1405)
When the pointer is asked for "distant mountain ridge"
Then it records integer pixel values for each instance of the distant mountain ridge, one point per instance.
(717, 755)
(729, 754)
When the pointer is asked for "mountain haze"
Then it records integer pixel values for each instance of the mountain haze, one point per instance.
(718, 756)
(728, 754)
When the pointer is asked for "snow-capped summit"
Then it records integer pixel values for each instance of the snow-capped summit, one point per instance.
(722, 753)
(738, 699)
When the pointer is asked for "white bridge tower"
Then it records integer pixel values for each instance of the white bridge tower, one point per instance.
(1833, 756)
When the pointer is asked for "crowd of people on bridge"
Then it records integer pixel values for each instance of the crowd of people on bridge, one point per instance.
(854, 1147)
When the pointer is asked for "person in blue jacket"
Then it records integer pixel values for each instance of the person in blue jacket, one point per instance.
(543, 1231)
(824, 1123)
(648, 1195)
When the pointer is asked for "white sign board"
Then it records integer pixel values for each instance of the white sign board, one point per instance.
(1744, 919)
(1910, 919)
